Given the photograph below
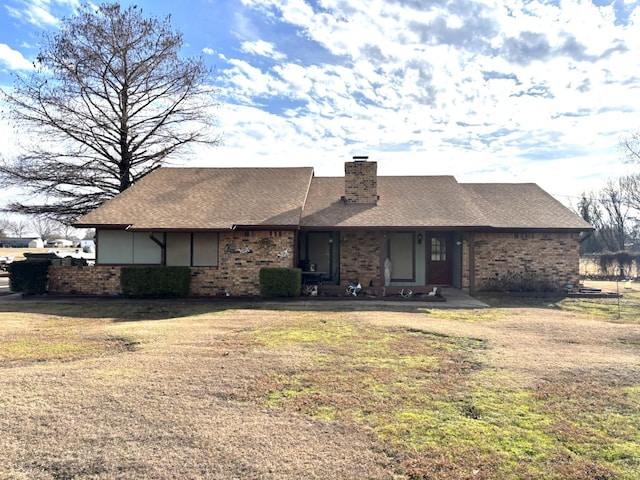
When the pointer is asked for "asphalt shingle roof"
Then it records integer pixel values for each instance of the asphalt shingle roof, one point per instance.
(221, 198)
(208, 198)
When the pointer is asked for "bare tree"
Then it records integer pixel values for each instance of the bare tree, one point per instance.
(18, 228)
(109, 101)
(45, 227)
(618, 220)
(68, 232)
(5, 226)
(589, 208)
(630, 147)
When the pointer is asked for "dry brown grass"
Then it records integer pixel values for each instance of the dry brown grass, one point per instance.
(133, 389)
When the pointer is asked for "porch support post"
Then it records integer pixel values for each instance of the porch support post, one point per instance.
(382, 242)
(471, 239)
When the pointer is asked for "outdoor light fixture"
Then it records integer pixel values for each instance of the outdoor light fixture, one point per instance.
(419, 238)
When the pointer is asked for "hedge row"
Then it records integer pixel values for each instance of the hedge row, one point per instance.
(31, 276)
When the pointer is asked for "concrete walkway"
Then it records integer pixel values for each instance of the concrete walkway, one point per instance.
(455, 298)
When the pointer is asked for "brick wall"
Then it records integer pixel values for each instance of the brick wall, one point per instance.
(240, 257)
(552, 257)
(96, 280)
(361, 182)
(238, 273)
(360, 258)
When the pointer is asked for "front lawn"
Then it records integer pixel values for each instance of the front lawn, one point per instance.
(168, 389)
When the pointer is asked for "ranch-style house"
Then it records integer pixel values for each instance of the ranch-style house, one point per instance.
(392, 231)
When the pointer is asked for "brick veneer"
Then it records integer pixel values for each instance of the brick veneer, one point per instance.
(553, 257)
(360, 258)
(360, 182)
(549, 256)
(96, 280)
(237, 273)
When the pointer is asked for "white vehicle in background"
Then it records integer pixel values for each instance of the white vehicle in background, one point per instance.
(59, 242)
(90, 257)
(77, 253)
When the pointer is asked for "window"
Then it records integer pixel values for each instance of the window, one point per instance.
(137, 248)
(127, 248)
(438, 249)
(178, 249)
(205, 250)
(115, 246)
(401, 254)
(319, 248)
(192, 249)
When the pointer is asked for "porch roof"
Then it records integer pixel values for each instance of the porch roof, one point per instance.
(438, 202)
(522, 205)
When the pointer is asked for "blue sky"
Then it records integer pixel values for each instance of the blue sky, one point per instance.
(488, 91)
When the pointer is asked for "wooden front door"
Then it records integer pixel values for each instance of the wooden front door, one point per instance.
(439, 256)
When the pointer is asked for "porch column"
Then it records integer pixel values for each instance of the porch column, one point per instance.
(382, 242)
(471, 239)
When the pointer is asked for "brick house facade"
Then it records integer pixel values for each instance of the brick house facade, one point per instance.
(432, 230)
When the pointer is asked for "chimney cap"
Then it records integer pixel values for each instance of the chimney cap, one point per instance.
(361, 158)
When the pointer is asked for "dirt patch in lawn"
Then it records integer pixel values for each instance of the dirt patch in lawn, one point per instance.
(208, 392)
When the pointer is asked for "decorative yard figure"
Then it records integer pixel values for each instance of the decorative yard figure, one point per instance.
(387, 272)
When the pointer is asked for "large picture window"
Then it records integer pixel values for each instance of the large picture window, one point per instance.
(121, 247)
(192, 249)
(127, 248)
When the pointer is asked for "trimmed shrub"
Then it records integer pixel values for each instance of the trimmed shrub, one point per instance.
(280, 282)
(155, 281)
(29, 277)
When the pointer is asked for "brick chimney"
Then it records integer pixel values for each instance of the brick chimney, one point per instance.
(361, 181)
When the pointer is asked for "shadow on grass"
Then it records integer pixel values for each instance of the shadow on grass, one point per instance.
(136, 309)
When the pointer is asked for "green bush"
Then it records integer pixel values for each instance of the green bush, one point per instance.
(280, 282)
(155, 281)
(30, 276)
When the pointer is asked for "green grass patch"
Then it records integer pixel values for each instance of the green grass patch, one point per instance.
(609, 309)
(470, 315)
(33, 349)
(427, 396)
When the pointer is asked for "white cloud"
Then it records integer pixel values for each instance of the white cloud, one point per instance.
(34, 13)
(488, 90)
(13, 58)
(439, 80)
(265, 49)
(42, 13)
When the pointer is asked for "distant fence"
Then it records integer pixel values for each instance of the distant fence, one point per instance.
(608, 266)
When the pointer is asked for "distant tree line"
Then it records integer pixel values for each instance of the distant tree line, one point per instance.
(39, 226)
